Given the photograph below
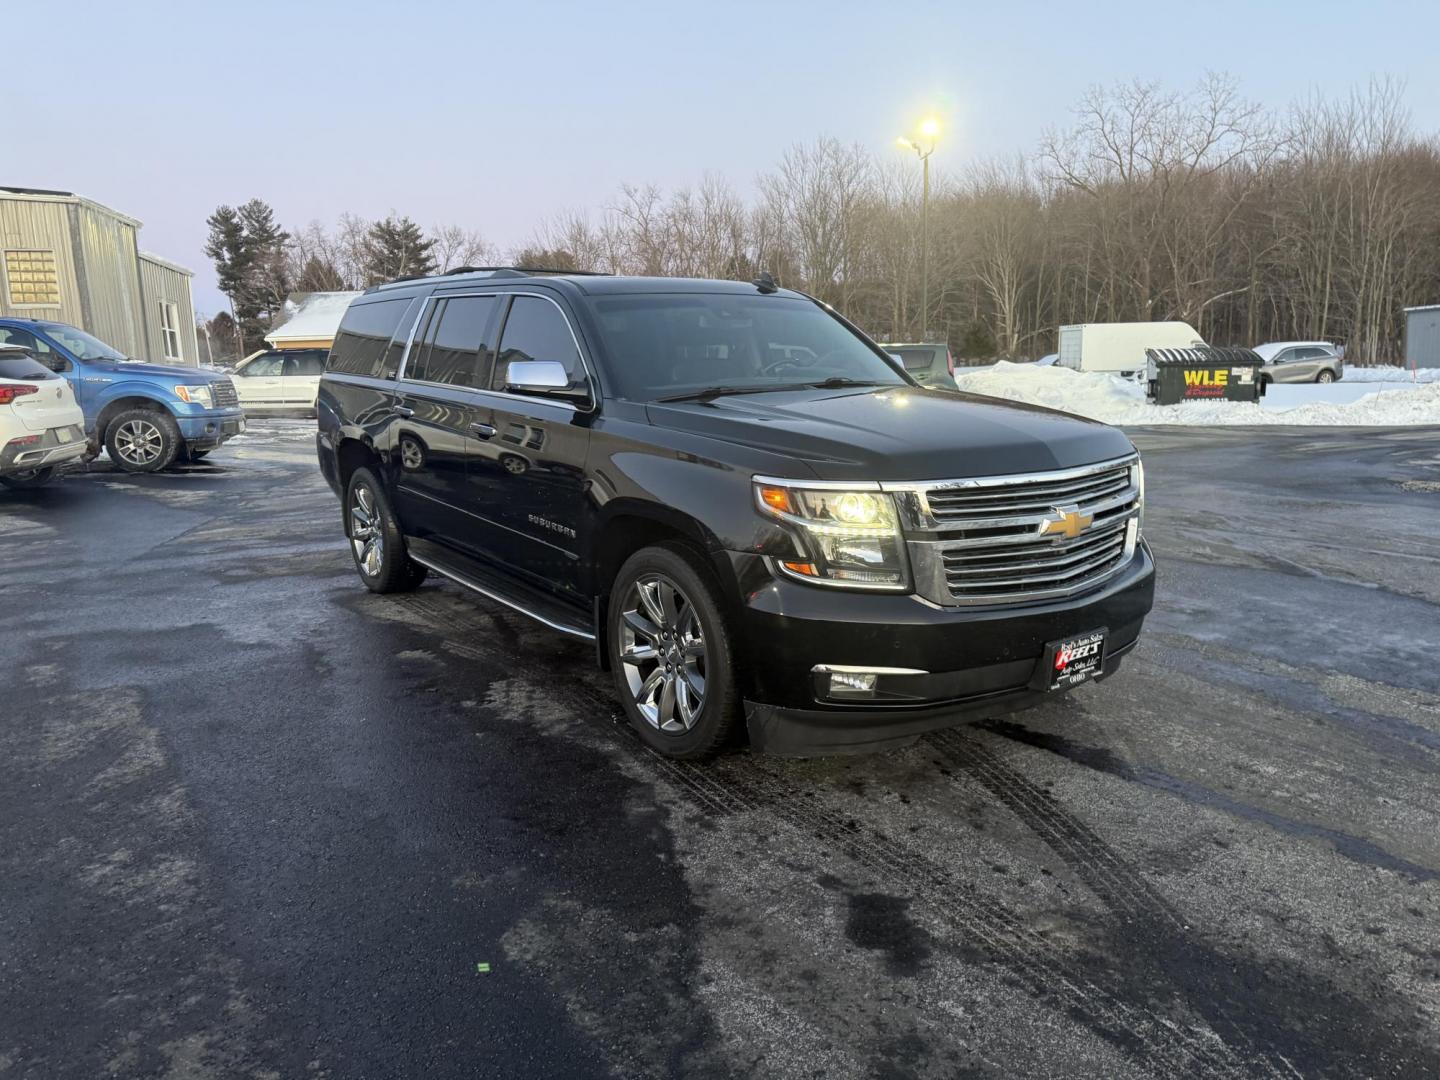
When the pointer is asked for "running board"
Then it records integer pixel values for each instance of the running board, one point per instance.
(502, 589)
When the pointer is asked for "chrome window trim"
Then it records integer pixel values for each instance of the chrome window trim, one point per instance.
(409, 340)
(505, 394)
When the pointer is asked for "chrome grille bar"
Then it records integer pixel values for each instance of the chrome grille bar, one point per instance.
(1005, 540)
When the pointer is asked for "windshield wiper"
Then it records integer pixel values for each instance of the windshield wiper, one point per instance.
(835, 382)
(719, 391)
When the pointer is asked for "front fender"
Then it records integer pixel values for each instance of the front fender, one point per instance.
(135, 388)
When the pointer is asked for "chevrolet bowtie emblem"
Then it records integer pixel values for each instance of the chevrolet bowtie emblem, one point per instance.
(1068, 521)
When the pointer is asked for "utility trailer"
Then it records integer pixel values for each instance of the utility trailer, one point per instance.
(1119, 348)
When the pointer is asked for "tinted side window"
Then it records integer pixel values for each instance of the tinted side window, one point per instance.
(15, 365)
(304, 362)
(13, 335)
(457, 349)
(365, 337)
(536, 330)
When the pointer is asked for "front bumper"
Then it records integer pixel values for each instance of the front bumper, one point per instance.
(205, 429)
(974, 659)
(49, 451)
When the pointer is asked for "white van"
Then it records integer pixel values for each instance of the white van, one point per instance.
(1119, 348)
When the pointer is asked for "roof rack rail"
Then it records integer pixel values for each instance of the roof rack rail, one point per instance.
(522, 270)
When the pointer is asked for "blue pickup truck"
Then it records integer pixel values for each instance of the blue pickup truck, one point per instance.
(145, 416)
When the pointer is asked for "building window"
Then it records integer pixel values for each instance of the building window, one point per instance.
(170, 329)
(33, 279)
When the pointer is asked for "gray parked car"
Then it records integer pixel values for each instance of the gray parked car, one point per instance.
(929, 363)
(1300, 361)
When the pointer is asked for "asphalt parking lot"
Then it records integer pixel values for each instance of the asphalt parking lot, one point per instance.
(255, 821)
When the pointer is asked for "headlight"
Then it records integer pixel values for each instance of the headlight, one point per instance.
(196, 395)
(846, 538)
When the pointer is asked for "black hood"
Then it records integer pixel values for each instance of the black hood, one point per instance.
(899, 433)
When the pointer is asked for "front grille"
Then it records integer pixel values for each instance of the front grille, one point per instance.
(225, 396)
(963, 504)
(989, 541)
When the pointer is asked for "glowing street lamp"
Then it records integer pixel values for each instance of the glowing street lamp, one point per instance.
(929, 132)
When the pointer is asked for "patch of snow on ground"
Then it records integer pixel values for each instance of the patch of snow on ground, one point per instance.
(1389, 373)
(1113, 400)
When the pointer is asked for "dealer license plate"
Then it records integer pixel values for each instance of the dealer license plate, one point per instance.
(1073, 660)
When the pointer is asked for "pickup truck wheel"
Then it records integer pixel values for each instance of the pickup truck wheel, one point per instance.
(142, 440)
(30, 478)
(376, 543)
(671, 654)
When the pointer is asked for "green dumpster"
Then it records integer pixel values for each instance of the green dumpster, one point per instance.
(1203, 373)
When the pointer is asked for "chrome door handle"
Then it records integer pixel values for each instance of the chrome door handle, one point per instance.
(484, 431)
(401, 410)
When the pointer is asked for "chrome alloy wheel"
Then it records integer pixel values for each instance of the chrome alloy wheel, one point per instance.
(139, 442)
(366, 536)
(662, 646)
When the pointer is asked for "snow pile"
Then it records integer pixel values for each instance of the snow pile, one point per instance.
(1390, 373)
(1113, 400)
(315, 318)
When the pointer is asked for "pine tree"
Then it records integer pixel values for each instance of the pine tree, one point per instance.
(397, 248)
(248, 249)
(319, 274)
(226, 247)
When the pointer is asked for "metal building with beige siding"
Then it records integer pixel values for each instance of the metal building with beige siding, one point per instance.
(165, 288)
(68, 258)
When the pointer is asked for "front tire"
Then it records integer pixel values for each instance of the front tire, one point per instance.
(143, 440)
(671, 654)
(376, 542)
(32, 478)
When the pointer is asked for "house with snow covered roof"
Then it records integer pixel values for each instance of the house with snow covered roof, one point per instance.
(310, 320)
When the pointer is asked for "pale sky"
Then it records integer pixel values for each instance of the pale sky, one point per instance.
(497, 116)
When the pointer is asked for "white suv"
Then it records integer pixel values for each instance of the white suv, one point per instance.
(41, 427)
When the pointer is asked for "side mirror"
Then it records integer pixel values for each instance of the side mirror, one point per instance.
(57, 364)
(539, 377)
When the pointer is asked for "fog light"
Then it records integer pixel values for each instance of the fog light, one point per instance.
(852, 683)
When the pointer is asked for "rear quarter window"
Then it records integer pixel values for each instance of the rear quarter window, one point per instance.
(24, 368)
(371, 339)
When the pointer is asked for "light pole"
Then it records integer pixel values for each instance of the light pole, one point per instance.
(929, 129)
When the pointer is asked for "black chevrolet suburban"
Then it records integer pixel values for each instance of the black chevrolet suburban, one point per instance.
(760, 519)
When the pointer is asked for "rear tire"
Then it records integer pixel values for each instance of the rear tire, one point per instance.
(671, 654)
(32, 478)
(1325, 377)
(143, 440)
(376, 542)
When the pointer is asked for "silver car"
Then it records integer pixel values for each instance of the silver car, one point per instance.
(1300, 361)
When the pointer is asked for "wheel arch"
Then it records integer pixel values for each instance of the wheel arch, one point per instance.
(124, 403)
(353, 452)
(629, 525)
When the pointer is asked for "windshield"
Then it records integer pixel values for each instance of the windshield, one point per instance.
(671, 344)
(80, 344)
